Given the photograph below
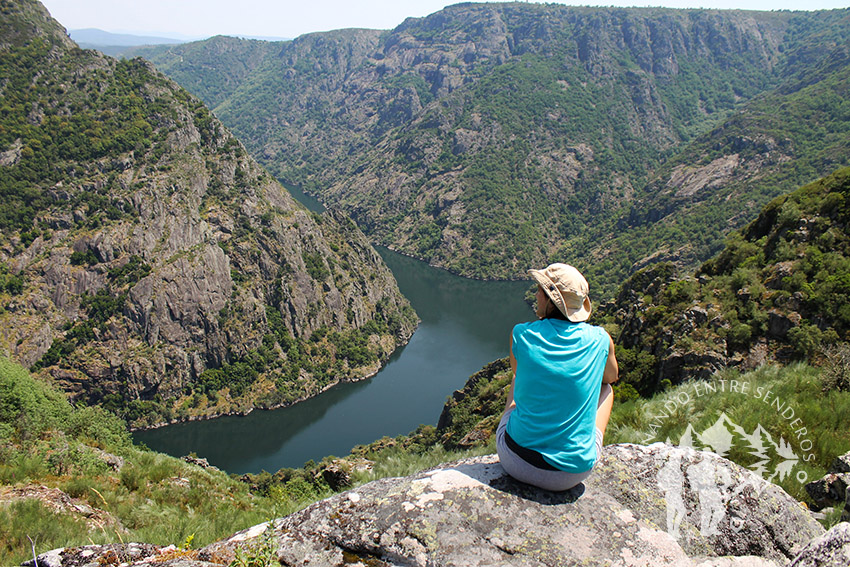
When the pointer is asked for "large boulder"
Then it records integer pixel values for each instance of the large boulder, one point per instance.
(644, 505)
(830, 550)
(833, 488)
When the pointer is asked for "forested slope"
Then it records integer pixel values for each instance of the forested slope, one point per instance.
(487, 138)
(148, 264)
(782, 138)
(778, 291)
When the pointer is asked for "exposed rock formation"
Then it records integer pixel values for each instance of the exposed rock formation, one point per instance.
(830, 550)
(145, 263)
(136, 554)
(470, 513)
(834, 488)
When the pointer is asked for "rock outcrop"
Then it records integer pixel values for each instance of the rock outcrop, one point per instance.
(530, 130)
(833, 489)
(830, 550)
(644, 505)
(153, 248)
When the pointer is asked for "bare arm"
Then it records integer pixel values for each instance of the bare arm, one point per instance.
(511, 403)
(612, 372)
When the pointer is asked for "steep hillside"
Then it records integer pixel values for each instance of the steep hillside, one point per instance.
(148, 264)
(212, 69)
(780, 290)
(487, 138)
(784, 137)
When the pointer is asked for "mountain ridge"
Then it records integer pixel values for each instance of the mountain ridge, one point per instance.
(149, 264)
(95, 36)
(488, 138)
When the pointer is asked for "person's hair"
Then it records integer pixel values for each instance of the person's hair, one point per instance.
(554, 312)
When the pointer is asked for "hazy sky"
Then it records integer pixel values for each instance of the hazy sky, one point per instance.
(291, 18)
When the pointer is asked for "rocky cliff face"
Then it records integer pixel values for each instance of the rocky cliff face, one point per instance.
(776, 292)
(724, 176)
(160, 268)
(470, 513)
(465, 137)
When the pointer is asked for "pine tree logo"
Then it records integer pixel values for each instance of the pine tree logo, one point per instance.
(757, 451)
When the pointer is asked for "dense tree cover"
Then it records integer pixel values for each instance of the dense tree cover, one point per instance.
(68, 115)
(31, 411)
(782, 281)
(496, 137)
(54, 121)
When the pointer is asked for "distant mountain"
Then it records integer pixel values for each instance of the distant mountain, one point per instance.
(231, 60)
(126, 45)
(148, 264)
(93, 36)
(487, 138)
(116, 44)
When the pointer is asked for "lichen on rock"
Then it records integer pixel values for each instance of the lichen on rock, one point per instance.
(471, 513)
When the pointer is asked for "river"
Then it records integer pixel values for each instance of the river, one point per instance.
(465, 324)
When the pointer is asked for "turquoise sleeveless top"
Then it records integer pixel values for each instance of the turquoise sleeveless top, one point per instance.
(558, 378)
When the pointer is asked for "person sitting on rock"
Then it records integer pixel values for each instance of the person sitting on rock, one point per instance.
(560, 399)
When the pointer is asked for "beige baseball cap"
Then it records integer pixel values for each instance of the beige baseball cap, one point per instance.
(567, 289)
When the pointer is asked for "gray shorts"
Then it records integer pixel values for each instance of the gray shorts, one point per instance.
(521, 470)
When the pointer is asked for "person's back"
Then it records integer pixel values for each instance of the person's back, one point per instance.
(559, 375)
(560, 399)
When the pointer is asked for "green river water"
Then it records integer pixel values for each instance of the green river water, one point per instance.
(465, 324)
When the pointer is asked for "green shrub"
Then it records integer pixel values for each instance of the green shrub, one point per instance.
(10, 283)
(638, 368)
(98, 427)
(46, 527)
(808, 340)
(22, 467)
(27, 406)
(836, 368)
(261, 552)
(81, 487)
(131, 478)
(625, 392)
(130, 273)
(86, 257)
(315, 266)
